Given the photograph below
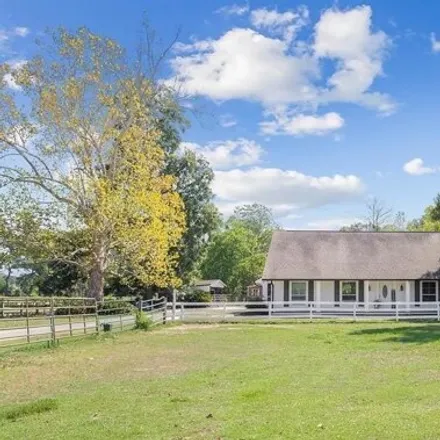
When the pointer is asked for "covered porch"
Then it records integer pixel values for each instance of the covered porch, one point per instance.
(344, 294)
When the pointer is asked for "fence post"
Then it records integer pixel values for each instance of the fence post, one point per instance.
(164, 312)
(70, 319)
(182, 312)
(84, 316)
(174, 305)
(52, 322)
(397, 311)
(310, 312)
(224, 311)
(438, 311)
(28, 334)
(270, 309)
(95, 303)
(354, 311)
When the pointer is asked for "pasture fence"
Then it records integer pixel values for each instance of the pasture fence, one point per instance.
(27, 320)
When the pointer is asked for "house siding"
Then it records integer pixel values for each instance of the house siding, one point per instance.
(328, 290)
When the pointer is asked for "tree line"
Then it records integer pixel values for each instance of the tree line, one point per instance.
(379, 217)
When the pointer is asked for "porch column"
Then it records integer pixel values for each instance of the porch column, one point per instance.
(407, 293)
(367, 294)
(318, 294)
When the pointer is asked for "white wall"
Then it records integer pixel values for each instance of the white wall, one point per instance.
(328, 294)
(377, 289)
(327, 291)
(278, 289)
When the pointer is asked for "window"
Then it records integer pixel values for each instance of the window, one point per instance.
(348, 290)
(429, 291)
(298, 290)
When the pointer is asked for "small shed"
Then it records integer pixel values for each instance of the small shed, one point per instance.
(214, 287)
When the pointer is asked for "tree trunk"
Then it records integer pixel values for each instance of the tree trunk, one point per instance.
(8, 281)
(96, 281)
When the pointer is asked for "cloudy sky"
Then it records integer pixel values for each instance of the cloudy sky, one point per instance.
(309, 108)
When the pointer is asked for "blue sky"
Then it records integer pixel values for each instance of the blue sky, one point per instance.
(310, 108)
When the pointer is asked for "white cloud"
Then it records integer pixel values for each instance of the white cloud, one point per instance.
(332, 223)
(227, 121)
(228, 154)
(299, 125)
(233, 9)
(21, 31)
(8, 79)
(347, 38)
(244, 64)
(285, 24)
(258, 66)
(416, 167)
(292, 189)
(435, 44)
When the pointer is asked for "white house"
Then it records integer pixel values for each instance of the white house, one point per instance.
(341, 268)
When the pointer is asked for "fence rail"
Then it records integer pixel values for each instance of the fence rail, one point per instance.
(241, 311)
(31, 320)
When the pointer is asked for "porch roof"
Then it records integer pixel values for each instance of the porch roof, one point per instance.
(328, 255)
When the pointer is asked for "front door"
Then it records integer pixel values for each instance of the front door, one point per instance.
(393, 297)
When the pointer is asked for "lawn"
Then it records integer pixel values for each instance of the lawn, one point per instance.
(229, 381)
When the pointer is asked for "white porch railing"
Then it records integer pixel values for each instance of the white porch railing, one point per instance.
(241, 311)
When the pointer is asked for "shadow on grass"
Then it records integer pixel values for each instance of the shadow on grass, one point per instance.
(417, 334)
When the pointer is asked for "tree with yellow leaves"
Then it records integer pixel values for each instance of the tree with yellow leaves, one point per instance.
(79, 128)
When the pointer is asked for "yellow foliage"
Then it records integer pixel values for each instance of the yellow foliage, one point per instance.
(97, 151)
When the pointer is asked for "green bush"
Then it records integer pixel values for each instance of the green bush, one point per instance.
(195, 296)
(142, 321)
(115, 307)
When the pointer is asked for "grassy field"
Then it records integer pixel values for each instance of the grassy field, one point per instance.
(242, 381)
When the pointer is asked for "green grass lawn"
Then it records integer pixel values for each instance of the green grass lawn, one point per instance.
(242, 381)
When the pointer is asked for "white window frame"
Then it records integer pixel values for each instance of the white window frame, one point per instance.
(341, 296)
(290, 289)
(421, 290)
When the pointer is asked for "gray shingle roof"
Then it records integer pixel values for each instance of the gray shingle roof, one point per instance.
(212, 283)
(353, 255)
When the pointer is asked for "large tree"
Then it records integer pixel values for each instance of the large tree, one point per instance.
(194, 177)
(378, 217)
(237, 253)
(257, 218)
(81, 129)
(430, 220)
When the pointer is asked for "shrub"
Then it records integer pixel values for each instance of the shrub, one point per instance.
(115, 307)
(142, 321)
(195, 296)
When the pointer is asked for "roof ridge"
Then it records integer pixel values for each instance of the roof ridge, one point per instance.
(356, 232)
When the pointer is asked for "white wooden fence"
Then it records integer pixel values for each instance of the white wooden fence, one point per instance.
(242, 311)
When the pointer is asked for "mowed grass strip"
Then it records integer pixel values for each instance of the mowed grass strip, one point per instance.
(242, 381)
